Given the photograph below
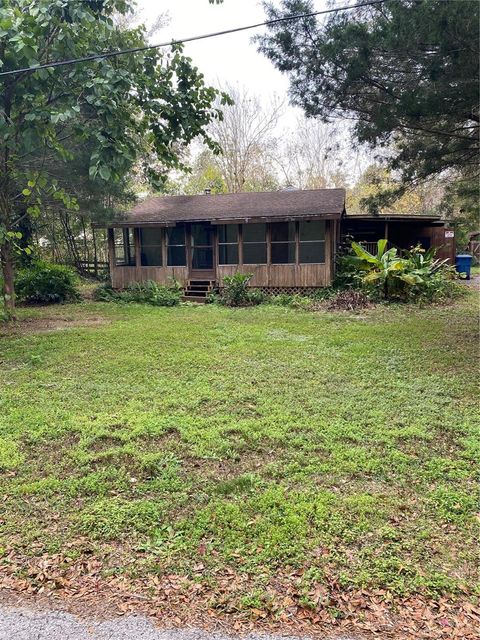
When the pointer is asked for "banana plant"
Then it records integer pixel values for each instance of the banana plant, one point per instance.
(382, 268)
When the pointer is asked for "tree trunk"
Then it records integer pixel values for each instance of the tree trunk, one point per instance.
(8, 289)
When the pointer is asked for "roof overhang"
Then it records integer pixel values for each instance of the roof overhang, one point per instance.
(393, 216)
(115, 224)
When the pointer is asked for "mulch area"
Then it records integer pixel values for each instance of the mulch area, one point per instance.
(80, 587)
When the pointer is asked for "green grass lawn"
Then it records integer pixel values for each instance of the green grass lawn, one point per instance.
(261, 443)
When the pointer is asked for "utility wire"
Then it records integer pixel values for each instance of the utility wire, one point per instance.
(111, 54)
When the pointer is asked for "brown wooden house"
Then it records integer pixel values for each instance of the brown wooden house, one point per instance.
(286, 239)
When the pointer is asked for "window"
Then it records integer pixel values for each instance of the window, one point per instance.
(311, 245)
(124, 244)
(176, 246)
(151, 247)
(282, 237)
(227, 244)
(255, 243)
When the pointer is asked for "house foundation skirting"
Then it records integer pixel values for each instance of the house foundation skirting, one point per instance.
(274, 291)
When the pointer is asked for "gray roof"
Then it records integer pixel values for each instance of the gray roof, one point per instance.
(237, 206)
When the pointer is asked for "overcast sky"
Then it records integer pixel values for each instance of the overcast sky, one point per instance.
(231, 58)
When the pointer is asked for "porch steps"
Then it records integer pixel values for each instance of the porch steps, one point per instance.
(198, 290)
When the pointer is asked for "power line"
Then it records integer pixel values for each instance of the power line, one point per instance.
(111, 54)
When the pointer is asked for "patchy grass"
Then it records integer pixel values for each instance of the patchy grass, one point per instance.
(263, 441)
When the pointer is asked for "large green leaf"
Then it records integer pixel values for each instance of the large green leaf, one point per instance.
(381, 246)
(411, 278)
(363, 253)
(398, 265)
(373, 276)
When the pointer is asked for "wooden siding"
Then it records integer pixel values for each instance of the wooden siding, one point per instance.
(280, 275)
(446, 247)
(123, 276)
(264, 275)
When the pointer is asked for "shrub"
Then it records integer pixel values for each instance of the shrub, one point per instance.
(256, 296)
(45, 283)
(104, 293)
(281, 300)
(235, 291)
(148, 292)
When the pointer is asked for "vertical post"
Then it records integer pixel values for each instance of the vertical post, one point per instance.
(386, 230)
(188, 249)
(328, 251)
(240, 245)
(268, 238)
(297, 244)
(164, 247)
(138, 256)
(111, 254)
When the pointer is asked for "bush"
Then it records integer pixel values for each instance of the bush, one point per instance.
(256, 296)
(45, 283)
(104, 293)
(148, 292)
(235, 291)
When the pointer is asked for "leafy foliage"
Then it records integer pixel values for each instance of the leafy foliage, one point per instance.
(148, 292)
(417, 276)
(144, 105)
(45, 283)
(235, 291)
(406, 70)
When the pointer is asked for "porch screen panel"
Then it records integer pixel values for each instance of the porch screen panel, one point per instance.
(202, 246)
(124, 245)
(311, 241)
(282, 238)
(254, 243)
(227, 244)
(151, 247)
(176, 255)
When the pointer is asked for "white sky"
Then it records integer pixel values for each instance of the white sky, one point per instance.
(232, 58)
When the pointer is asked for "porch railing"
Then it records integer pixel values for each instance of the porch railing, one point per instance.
(372, 247)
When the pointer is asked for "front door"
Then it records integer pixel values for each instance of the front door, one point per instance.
(202, 251)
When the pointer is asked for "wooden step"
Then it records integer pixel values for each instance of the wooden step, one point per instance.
(189, 292)
(198, 290)
(199, 287)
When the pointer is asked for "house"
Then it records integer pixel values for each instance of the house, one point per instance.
(286, 239)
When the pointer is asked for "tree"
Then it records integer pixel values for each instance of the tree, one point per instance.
(425, 198)
(405, 70)
(205, 174)
(311, 155)
(245, 136)
(148, 103)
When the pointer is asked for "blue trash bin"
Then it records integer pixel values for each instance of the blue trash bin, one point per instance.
(463, 264)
